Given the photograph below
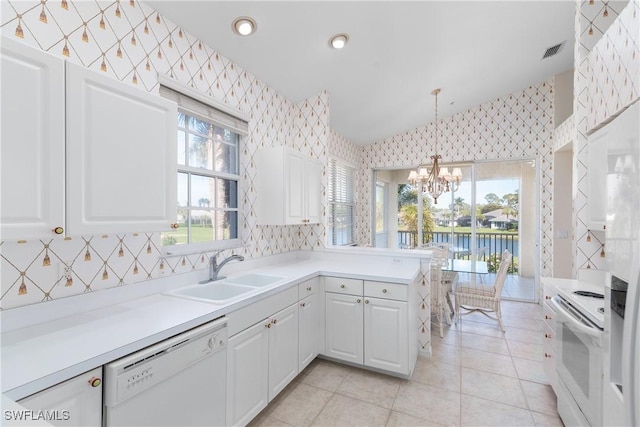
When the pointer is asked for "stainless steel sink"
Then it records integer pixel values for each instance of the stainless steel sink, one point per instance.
(215, 292)
(253, 280)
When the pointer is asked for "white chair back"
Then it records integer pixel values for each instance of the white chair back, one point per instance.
(501, 276)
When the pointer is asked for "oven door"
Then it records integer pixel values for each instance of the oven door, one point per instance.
(579, 360)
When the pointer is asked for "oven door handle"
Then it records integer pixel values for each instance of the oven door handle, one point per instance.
(574, 322)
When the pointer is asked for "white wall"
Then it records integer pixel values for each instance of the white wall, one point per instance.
(563, 98)
(563, 214)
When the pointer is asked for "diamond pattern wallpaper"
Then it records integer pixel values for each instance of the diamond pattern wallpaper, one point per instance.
(513, 126)
(132, 43)
(607, 41)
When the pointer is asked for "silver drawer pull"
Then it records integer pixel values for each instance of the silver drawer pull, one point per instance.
(341, 286)
(384, 291)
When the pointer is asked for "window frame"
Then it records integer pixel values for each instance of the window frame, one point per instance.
(182, 92)
(334, 162)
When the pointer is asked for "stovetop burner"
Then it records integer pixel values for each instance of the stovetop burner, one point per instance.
(589, 294)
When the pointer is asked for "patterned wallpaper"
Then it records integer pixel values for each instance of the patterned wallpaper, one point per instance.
(595, 19)
(564, 133)
(132, 43)
(613, 68)
(513, 126)
(342, 148)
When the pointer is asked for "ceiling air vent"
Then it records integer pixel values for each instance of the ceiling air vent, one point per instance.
(552, 50)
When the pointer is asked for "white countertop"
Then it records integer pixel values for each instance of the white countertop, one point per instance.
(46, 353)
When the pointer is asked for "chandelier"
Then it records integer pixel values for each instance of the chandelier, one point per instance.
(438, 180)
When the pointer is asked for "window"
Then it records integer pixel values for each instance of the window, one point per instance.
(341, 204)
(207, 142)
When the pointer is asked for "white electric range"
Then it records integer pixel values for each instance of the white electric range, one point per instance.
(579, 345)
(589, 306)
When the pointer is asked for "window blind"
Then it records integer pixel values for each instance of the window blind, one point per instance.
(205, 112)
(341, 203)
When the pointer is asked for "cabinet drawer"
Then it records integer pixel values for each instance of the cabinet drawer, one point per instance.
(307, 288)
(343, 286)
(549, 336)
(386, 290)
(549, 315)
(244, 317)
(549, 364)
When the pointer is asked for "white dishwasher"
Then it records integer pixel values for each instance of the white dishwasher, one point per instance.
(178, 382)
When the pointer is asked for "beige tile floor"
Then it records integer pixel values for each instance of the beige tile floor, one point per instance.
(477, 376)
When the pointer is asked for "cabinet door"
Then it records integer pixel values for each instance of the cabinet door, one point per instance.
(313, 191)
(344, 322)
(78, 401)
(386, 335)
(247, 374)
(283, 349)
(121, 156)
(32, 142)
(294, 181)
(309, 332)
(597, 167)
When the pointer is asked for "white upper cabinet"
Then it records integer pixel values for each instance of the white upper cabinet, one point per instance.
(288, 186)
(121, 156)
(81, 153)
(32, 142)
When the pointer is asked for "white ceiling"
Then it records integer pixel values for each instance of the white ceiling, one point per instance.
(399, 51)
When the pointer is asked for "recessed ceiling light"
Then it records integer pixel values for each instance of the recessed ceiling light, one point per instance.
(339, 41)
(244, 26)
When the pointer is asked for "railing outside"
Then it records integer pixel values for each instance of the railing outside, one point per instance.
(495, 243)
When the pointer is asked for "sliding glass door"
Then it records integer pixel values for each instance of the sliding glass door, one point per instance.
(493, 209)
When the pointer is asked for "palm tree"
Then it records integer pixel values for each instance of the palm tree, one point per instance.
(458, 204)
(409, 218)
(511, 204)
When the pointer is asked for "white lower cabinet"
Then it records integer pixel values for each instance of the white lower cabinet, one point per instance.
(75, 402)
(283, 349)
(367, 323)
(386, 334)
(549, 343)
(247, 374)
(261, 361)
(344, 326)
(309, 330)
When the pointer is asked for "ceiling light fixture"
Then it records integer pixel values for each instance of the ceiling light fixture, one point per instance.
(244, 26)
(437, 181)
(339, 41)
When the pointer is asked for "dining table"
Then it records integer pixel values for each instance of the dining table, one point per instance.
(466, 266)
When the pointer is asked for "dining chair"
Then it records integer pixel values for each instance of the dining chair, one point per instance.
(448, 278)
(483, 298)
(481, 253)
(438, 306)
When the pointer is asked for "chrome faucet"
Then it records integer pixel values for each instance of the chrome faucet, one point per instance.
(214, 267)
